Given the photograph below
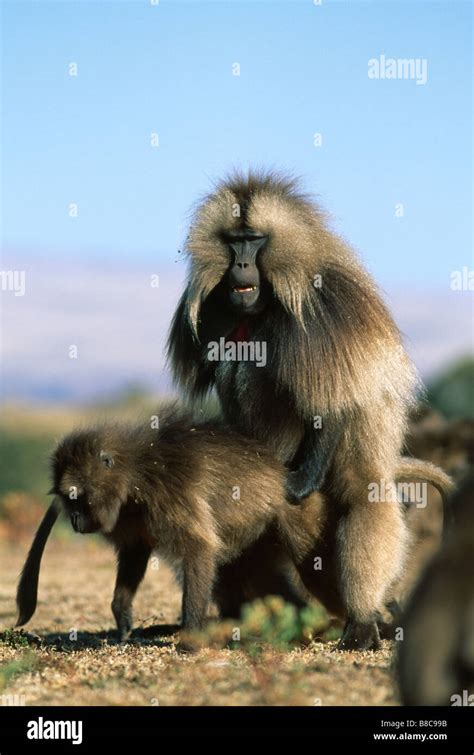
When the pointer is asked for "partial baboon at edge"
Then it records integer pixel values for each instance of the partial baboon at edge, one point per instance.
(450, 444)
(209, 500)
(436, 656)
(333, 397)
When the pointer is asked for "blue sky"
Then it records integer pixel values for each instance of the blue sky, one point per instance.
(168, 69)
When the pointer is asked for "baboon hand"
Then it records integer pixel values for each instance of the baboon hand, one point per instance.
(312, 461)
(299, 484)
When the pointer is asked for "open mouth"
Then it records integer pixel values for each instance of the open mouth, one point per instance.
(244, 289)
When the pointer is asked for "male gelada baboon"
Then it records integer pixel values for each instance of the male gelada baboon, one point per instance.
(436, 663)
(331, 395)
(208, 499)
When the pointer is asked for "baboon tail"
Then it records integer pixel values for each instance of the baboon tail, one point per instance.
(27, 591)
(425, 471)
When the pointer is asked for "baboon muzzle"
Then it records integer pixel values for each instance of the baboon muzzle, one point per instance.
(244, 275)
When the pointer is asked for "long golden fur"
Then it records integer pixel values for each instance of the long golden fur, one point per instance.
(334, 353)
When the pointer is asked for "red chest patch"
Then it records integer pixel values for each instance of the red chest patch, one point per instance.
(240, 333)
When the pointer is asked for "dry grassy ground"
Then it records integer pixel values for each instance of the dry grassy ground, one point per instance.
(75, 591)
(76, 587)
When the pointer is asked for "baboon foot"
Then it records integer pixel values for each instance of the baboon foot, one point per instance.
(358, 636)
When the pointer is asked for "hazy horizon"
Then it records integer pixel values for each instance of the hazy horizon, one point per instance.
(118, 322)
(87, 86)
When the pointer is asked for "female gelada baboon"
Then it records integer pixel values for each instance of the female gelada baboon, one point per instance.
(331, 389)
(201, 495)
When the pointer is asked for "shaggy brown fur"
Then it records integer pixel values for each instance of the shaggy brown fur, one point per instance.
(199, 494)
(174, 489)
(333, 352)
(437, 653)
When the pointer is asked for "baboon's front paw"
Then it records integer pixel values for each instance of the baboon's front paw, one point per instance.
(124, 623)
(298, 486)
(358, 636)
(124, 635)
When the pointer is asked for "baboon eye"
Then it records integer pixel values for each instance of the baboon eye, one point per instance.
(107, 459)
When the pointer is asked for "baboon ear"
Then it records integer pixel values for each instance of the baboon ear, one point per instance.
(107, 459)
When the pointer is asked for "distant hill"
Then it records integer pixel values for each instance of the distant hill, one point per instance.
(452, 392)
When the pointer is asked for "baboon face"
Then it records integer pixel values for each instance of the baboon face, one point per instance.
(254, 242)
(89, 485)
(81, 513)
(245, 290)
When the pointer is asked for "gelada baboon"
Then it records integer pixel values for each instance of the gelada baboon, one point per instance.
(436, 660)
(200, 495)
(280, 316)
(208, 499)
